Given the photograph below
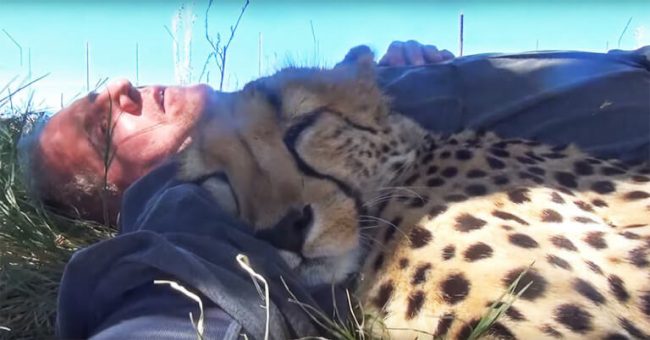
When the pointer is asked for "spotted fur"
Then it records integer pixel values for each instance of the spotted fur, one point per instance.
(436, 228)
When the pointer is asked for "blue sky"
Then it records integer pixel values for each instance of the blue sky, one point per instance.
(56, 33)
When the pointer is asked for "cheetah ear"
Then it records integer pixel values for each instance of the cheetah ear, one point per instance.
(358, 55)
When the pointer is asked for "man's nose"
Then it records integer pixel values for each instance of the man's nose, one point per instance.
(122, 93)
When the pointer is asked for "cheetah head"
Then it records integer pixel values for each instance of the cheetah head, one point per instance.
(297, 154)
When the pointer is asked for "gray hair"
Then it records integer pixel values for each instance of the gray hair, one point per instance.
(64, 198)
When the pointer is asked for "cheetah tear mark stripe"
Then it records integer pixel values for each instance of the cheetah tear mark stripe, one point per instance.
(291, 137)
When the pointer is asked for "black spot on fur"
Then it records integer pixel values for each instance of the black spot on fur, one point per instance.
(467, 222)
(603, 187)
(418, 202)
(525, 160)
(432, 170)
(419, 237)
(526, 175)
(566, 179)
(534, 291)
(379, 261)
(582, 219)
(412, 179)
(499, 331)
(508, 217)
(523, 240)
(574, 317)
(445, 154)
(435, 182)
(455, 198)
(551, 216)
(563, 243)
(636, 195)
(448, 252)
(630, 235)
(449, 172)
(594, 267)
(515, 314)
(420, 274)
(641, 179)
(403, 263)
(415, 303)
(536, 170)
(548, 330)
(476, 173)
(566, 191)
(519, 196)
(583, 168)
(587, 290)
(584, 206)
(632, 329)
(638, 258)
(617, 287)
(467, 329)
(392, 227)
(558, 261)
(475, 190)
(611, 171)
(384, 294)
(455, 288)
(500, 180)
(463, 155)
(495, 163)
(478, 251)
(599, 203)
(436, 210)
(443, 325)
(555, 197)
(615, 336)
(499, 152)
(596, 240)
(645, 303)
(428, 158)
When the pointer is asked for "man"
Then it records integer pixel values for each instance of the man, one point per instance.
(87, 154)
(173, 231)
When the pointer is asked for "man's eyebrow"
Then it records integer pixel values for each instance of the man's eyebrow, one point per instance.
(92, 96)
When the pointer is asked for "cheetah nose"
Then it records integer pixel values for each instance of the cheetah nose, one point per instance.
(290, 232)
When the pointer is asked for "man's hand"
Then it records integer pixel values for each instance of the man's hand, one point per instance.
(401, 53)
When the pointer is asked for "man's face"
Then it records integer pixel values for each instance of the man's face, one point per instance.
(147, 125)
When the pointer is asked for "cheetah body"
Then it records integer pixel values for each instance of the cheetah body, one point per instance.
(437, 228)
(476, 212)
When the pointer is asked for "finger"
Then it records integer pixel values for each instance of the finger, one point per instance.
(431, 54)
(394, 55)
(446, 55)
(413, 53)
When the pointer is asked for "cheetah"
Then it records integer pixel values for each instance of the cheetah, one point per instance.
(435, 228)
